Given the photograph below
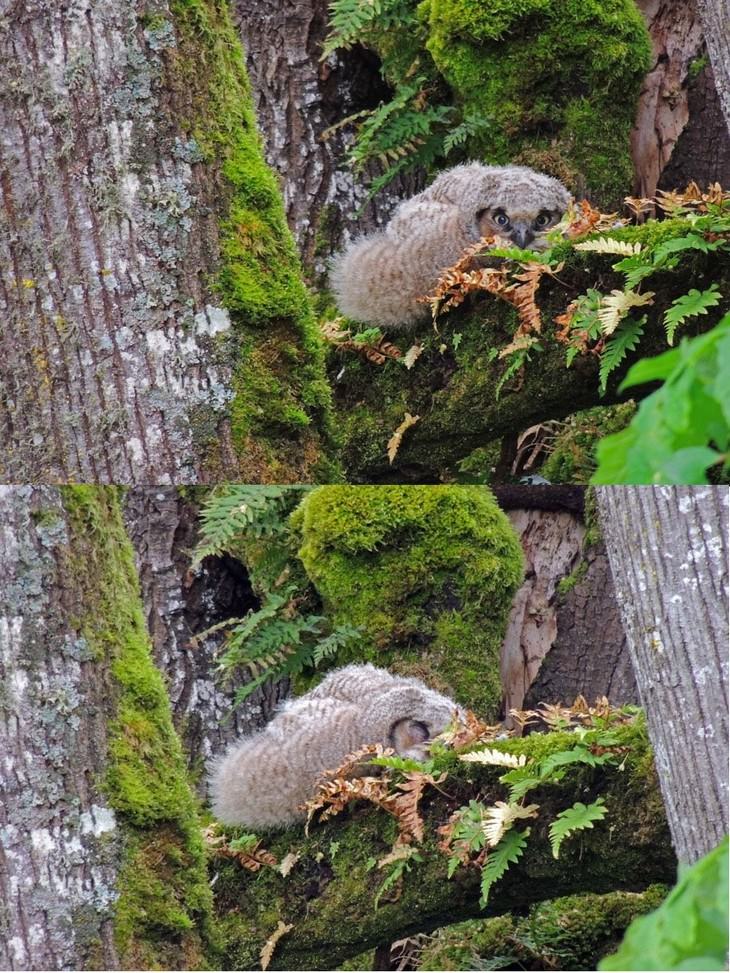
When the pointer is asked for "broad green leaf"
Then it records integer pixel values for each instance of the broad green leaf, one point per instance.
(689, 931)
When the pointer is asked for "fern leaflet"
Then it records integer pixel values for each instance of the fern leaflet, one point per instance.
(575, 818)
(509, 850)
(623, 340)
(689, 306)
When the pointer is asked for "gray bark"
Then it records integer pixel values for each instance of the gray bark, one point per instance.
(297, 98)
(104, 247)
(59, 841)
(668, 550)
(715, 15)
(180, 603)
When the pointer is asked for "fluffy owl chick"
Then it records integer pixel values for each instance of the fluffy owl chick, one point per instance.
(379, 278)
(264, 778)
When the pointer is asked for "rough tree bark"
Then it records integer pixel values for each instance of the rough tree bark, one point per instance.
(668, 550)
(181, 602)
(680, 132)
(120, 361)
(551, 652)
(715, 16)
(59, 841)
(101, 861)
(589, 654)
(298, 97)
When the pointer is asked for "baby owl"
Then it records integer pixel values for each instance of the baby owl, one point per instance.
(261, 781)
(380, 277)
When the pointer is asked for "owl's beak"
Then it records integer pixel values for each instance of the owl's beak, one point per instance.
(522, 234)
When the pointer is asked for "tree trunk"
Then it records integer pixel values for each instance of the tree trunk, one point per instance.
(180, 604)
(137, 222)
(61, 843)
(668, 551)
(101, 862)
(715, 15)
(589, 654)
(298, 97)
(550, 651)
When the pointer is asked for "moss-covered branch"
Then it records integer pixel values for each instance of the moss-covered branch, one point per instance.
(329, 896)
(453, 386)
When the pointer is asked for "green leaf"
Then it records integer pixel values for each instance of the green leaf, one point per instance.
(689, 931)
(684, 426)
(509, 850)
(688, 306)
(575, 818)
(651, 369)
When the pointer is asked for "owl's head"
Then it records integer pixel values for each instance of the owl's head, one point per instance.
(520, 205)
(418, 714)
(513, 202)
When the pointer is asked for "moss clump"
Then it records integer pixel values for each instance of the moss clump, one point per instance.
(280, 412)
(569, 933)
(572, 457)
(164, 906)
(428, 573)
(559, 81)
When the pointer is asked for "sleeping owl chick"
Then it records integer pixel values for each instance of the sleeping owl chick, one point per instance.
(380, 277)
(263, 779)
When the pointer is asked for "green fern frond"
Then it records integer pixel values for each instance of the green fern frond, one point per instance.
(622, 341)
(508, 851)
(688, 306)
(575, 818)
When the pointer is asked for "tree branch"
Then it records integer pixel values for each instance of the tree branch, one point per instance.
(329, 896)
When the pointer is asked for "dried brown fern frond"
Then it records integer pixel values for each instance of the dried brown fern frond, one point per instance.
(405, 804)
(251, 858)
(377, 352)
(470, 730)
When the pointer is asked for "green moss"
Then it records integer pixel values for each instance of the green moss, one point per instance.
(163, 911)
(428, 573)
(281, 407)
(569, 933)
(330, 894)
(572, 457)
(558, 79)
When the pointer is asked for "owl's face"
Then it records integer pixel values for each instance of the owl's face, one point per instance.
(525, 227)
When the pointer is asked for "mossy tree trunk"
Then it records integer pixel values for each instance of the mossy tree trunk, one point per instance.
(298, 97)
(155, 326)
(329, 896)
(669, 555)
(454, 390)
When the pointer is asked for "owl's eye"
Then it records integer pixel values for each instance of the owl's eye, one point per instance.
(542, 220)
(501, 219)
